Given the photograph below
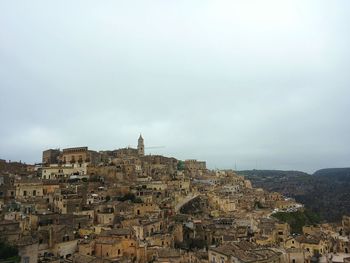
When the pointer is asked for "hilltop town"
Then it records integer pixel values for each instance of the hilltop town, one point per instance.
(80, 205)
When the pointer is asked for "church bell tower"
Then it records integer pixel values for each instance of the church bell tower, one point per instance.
(141, 146)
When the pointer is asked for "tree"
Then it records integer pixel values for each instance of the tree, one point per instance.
(180, 165)
(8, 252)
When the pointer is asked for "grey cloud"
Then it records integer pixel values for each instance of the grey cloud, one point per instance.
(249, 83)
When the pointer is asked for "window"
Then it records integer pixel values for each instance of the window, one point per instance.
(24, 193)
(293, 260)
(34, 192)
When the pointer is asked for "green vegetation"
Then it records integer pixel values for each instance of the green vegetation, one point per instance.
(131, 197)
(258, 205)
(181, 165)
(298, 219)
(8, 252)
(191, 243)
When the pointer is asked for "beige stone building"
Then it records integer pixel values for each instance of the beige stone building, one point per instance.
(146, 209)
(346, 224)
(116, 243)
(51, 156)
(29, 188)
(75, 155)
(67, 202)
(312, 245)
(194, 165)
(242, 252)
(28, 249)
(64, 171)
(147, 228)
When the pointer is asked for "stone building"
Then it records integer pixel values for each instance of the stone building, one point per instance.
(243, 252)
(146, 209)
(29, 188)
(147, 228)
(346, 224)
(194, 165)
(7, 188)
(295, 255)
(10, 231)
(141, 146)
(67, 201)
(311, 244)
(51, 156)
(64, 171)
(115, 244)
(126, 152)
(28, 249)
(59, 240)
(79, 155)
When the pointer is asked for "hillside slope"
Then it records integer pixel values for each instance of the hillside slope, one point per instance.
(326, 192)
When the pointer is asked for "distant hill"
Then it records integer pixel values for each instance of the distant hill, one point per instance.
(326, 192)
(339, 173)
(277, 173)
(289, 183)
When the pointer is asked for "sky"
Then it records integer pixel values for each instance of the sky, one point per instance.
(245, 84)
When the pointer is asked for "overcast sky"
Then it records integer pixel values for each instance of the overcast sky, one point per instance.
(251, 84)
